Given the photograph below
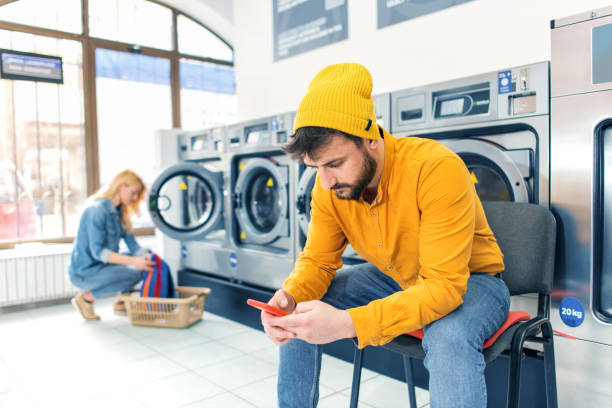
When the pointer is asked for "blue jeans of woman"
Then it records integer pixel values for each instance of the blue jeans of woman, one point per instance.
(453, 344)
(110, 279)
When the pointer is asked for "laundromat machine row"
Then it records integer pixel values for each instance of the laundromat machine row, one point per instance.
(234, 208)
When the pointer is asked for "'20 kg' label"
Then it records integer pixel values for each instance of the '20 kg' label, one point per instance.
(571, 312)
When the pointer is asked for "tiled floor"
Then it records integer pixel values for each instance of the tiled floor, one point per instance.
(50, 357)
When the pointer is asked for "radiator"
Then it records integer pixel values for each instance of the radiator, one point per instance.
(35, 274)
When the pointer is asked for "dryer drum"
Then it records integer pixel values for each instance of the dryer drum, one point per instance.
(195, 201)
(262, 201)
(261, 205)
(201, 202)
(186, 202)
(489, 180)
(497, 174)
(306, 184)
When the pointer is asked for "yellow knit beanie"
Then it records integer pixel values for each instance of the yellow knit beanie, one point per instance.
(340, 97)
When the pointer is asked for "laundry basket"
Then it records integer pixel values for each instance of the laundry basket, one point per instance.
(166, 312)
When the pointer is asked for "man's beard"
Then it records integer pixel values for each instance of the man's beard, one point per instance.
(367, 174)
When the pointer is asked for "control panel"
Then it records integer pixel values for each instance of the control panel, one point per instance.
(201, 144)
(464, 101)
(266, 132)
(497, 95)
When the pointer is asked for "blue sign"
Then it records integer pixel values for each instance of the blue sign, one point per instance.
(504, 82)
(183, 251)
(233, 260)
(28, 66)
(571, 312)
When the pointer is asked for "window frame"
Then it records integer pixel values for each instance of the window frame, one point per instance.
(89, 46)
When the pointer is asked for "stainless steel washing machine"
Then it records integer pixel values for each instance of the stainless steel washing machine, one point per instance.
(306, 180)
(188, 201)
(581, 198)
(497, 122)
(262, 215)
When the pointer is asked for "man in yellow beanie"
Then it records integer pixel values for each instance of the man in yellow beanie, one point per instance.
(407, 206)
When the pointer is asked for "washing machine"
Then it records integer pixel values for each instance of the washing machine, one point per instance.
(581, 197)
(497, 122)
(306, 180)
(188, 201)
(262, 215)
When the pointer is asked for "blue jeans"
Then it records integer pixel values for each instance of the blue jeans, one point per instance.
(453, 344)
(111, 279)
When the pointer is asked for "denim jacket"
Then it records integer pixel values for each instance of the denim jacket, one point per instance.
(99, 234)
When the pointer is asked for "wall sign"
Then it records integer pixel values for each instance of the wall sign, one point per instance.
(395, 11)
(28, 66)
(304, 25)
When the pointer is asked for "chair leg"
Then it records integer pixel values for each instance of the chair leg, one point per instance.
(514, 374)
(357, 363)
(549, 366)
(409, 381)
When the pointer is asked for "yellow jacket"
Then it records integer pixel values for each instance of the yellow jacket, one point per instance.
(426, 230)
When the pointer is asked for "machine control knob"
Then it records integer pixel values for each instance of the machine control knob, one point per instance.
(525, 79)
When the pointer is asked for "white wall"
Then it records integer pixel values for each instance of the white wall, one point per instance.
(479, 36)
(217, 15)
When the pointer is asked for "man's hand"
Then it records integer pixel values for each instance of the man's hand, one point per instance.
(316, 322)
(283, 301)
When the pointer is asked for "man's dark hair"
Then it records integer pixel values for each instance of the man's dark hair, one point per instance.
(309, 139)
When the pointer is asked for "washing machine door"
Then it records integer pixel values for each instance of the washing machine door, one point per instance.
(262, 201)
(304, 196)
(186, 201)
(498, 175)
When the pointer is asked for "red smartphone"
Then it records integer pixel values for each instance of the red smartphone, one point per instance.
(266, 307)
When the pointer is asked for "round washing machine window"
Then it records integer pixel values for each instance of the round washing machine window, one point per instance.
(308, 195)
(305, 186)
(263, 202)
(489, 180)
(185, 202)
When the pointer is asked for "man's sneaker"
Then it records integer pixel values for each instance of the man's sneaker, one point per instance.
(86, 308)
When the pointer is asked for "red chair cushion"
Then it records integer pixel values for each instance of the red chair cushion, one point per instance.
(513, 317)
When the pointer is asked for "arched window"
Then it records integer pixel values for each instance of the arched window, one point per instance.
(129, 68)
(194, 39)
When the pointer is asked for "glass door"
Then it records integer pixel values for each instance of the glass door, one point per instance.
(305, 186)
(261, 189)
(489, 180)
(498, 174)
(602, 226)
(186, 201)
